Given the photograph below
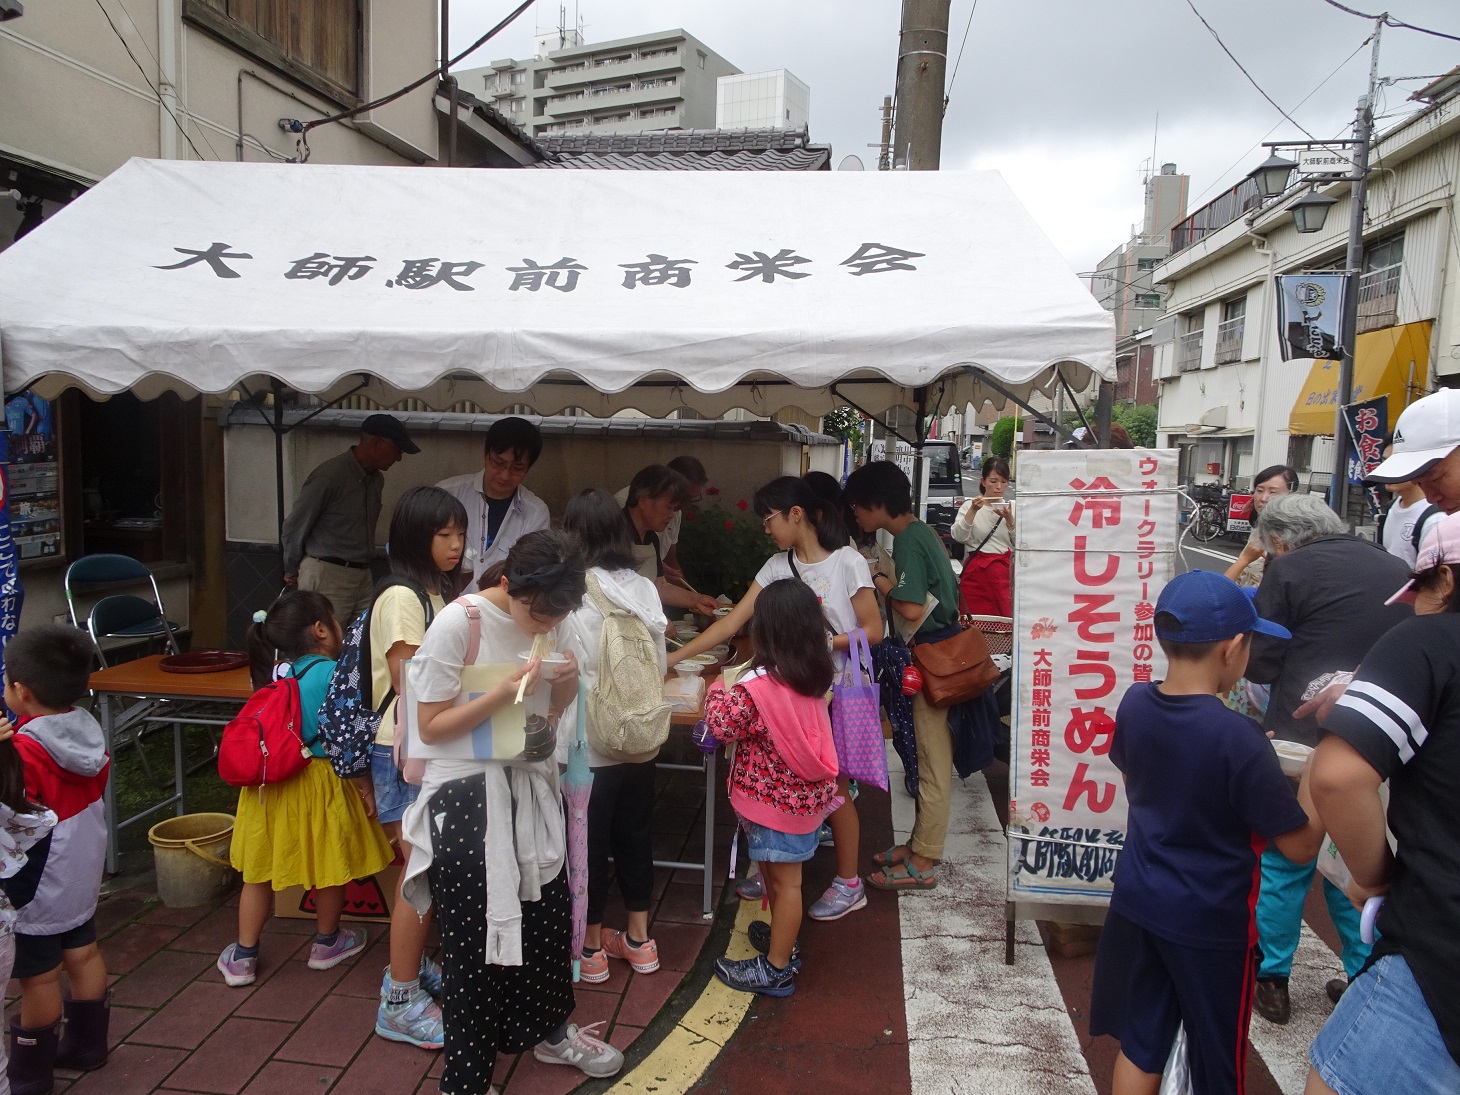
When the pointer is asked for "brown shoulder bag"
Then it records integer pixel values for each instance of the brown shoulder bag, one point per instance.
(955, 670)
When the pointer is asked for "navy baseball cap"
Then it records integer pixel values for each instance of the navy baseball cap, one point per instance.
(1210, 607)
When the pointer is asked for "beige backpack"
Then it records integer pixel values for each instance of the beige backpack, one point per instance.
(628, 719)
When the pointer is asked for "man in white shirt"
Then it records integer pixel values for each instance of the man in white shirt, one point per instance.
(1404, 525)
(499, 509)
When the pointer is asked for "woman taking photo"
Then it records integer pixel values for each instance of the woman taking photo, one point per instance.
(1266, 485)
(985, 525)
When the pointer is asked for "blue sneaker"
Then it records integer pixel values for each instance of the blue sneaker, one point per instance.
(431, 978)
(757, 975)
(759, 934)
(750, 889)
(416, 1022)
(838, 900)
(823, 836)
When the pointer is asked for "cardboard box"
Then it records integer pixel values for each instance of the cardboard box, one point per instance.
(366, 899)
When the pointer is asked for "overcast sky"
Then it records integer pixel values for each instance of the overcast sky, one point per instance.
(1061, 96)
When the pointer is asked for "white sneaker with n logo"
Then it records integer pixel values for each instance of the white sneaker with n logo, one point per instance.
(583, 1051)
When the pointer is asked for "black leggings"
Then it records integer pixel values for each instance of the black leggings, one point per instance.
(620, 814)
(491, 1009)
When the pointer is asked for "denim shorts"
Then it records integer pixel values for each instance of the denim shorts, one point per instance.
(771, 846)
(392, 793)
(1382, 1038)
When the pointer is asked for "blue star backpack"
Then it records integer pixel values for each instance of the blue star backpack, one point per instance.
(351, 715)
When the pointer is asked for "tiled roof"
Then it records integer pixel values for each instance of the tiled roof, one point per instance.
(686, 150)
(801, 159)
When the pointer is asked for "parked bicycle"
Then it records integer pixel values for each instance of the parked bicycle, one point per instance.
(1208, 519)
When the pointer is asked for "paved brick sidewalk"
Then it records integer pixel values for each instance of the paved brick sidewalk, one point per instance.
(177, 1027)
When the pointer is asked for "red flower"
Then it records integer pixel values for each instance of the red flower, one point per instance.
(690, 515)
(730, 525)
(742, 505)
(712, 490)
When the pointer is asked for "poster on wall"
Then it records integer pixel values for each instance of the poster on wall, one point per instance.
(34, 494)
(1095, 544)
(1310, 311)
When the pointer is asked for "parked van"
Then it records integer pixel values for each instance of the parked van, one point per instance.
(945, 495)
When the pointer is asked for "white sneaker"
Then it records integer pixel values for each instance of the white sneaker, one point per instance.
(583, 1051)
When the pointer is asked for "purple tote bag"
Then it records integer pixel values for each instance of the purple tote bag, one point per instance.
(856, 717)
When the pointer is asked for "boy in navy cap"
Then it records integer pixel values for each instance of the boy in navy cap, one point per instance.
(1206, 793)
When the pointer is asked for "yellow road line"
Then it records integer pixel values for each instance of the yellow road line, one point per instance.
(684, 1054)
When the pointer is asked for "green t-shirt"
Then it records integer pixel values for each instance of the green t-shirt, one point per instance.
(922, 568)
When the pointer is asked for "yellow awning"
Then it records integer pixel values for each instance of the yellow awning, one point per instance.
(1382, 366)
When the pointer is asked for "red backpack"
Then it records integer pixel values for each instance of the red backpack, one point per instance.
(264, 743)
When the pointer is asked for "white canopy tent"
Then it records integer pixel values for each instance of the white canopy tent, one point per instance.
(599, 290)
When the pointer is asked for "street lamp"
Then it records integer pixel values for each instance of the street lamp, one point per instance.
(1310, 211)
(1271, 176)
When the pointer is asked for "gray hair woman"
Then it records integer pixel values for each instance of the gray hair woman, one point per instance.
(1329, 589)
(1290, 521)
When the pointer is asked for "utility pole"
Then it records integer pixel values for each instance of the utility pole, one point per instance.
(1354, 265)
(451, 85)
(884, 148)
(922, 63)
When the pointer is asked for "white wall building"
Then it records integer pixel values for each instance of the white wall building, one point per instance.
(762, 100)
(1228, 400)
(629, 85)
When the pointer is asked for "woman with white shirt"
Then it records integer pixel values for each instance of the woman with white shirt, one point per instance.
(816, 550)
(986, 526)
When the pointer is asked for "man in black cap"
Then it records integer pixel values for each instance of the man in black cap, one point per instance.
(329, 535)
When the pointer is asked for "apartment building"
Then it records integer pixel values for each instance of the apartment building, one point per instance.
(629, 85)
(1228, 400)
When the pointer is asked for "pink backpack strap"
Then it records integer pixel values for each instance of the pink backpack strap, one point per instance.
(474, 628)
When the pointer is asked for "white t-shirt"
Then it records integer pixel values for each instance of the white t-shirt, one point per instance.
(436, 667)
(835, 581)
(1399, 528)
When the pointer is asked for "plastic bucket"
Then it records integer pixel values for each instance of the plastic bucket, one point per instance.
(192, 858)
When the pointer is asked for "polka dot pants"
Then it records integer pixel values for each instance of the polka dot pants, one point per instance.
(491, 1009)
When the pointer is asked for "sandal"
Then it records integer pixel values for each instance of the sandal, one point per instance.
(889, 857)
(910, 877)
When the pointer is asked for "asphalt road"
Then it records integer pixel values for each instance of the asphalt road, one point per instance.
(1216, 554)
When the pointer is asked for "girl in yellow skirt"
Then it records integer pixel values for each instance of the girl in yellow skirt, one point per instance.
(311, 830)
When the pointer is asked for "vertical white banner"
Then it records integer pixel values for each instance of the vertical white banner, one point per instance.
(1095, 542)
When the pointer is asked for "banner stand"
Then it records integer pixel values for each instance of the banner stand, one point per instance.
(1095, 543)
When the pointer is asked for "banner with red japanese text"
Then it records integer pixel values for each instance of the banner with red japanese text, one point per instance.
(1095, 542)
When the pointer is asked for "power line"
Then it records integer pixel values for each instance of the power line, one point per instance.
(1390, 21)
(1250, 80)
(948, 94)
(439, 70)
(147, 80)
(1315, 91)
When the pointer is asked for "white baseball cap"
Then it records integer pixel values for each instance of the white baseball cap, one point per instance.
(1427, 432)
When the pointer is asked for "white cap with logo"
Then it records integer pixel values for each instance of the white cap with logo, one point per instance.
(1427, 432)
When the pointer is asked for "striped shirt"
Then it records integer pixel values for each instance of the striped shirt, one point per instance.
(1402, 715)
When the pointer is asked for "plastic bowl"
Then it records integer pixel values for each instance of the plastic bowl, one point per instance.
(553, 664)
(688, 668)
(723, 611)
(1292, 756)
(721, 652)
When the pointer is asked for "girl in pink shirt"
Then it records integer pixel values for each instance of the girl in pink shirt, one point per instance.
(783, 780)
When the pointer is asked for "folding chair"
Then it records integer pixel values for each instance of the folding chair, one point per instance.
(121, 619)
(118, 621)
